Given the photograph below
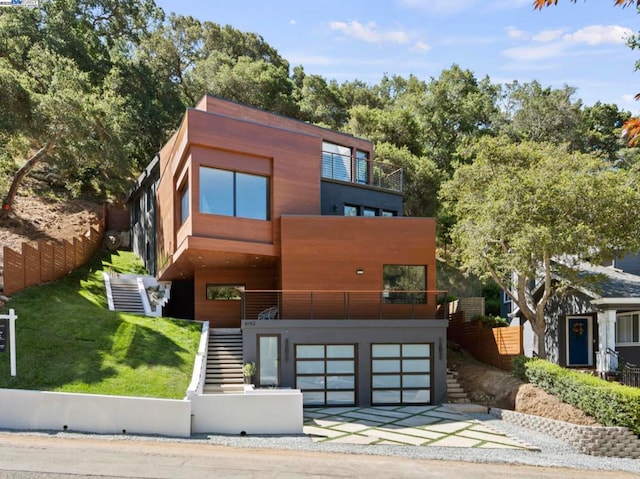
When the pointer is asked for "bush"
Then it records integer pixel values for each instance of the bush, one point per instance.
(519, 369)
(489, 322)
(611, 404)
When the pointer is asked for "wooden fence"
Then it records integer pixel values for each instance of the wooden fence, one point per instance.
(44, 261)
(495, 346)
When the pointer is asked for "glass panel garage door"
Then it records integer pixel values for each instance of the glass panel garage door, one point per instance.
(401, 373)
(325, 373)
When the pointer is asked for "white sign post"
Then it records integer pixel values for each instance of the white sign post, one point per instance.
(12, 338)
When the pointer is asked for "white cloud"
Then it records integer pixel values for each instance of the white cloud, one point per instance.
(513, 32)
(441, 7)
(421, 47)
(599, 34)
(547, 36)
(369, 33)
(302, 59)
(292, 22)
(535, 53)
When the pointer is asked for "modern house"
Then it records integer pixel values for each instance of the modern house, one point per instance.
(596, 326)
(293, 236)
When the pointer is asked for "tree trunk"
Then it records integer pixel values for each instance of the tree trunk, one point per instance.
(7, 202)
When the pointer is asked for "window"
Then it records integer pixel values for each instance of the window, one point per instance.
(225, 292)
(350, 210)
(268, 360)
(362, 167)
(368, 211)
(184, 204)
(388, 214)
(403, 284)
(230, 193)
(628, 328)
(336, 161)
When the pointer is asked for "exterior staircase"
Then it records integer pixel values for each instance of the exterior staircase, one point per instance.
(455, 392)
(126, 296)
(224, 362)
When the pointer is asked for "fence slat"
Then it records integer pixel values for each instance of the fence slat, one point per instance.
(48, 260)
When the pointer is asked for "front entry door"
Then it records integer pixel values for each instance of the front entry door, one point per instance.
(579, 341)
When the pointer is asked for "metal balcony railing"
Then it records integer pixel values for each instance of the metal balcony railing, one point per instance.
(270, 305)
(361, 171)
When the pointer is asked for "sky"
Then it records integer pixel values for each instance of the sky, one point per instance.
(582, 45)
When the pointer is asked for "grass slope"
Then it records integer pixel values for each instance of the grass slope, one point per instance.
(68, 340)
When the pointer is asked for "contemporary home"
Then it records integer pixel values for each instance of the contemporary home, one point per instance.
(291, 236)
(596, 326)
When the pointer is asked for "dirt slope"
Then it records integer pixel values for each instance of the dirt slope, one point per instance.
(494, 387)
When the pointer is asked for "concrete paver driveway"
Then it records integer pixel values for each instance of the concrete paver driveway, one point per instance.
(404, 425)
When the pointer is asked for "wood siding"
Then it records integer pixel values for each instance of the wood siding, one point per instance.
(221, 313)
(324, 252)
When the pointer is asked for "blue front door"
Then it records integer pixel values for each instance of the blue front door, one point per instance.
(578, 331)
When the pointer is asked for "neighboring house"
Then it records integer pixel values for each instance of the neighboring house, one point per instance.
(597, 326)
(294, 234)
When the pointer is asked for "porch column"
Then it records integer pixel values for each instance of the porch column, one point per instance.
(606, 339)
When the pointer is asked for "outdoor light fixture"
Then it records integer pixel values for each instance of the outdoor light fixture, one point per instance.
(359, 271)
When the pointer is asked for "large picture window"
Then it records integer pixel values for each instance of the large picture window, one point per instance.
(404, 284)
(336, 162)
(231, 193)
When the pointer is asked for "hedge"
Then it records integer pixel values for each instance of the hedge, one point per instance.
(611, 404)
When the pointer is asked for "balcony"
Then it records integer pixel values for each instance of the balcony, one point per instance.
(326, 305)
(361, 171)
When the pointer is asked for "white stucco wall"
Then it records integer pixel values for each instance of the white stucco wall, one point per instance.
(37, 410)
(260, 411)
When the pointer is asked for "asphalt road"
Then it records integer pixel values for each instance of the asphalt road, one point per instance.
(25, 456)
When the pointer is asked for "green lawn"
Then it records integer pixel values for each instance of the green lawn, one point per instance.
(68, 340)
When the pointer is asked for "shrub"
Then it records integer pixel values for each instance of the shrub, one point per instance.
(519, 369)
(489, 322)
(611, 404)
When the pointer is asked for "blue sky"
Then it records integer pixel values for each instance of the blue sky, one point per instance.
(580, 44)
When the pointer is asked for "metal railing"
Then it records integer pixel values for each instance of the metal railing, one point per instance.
(272, 305)
(631, 375)
(361, 171)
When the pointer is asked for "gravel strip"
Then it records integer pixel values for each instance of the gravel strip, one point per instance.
(553, 452)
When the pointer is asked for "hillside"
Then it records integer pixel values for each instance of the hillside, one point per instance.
(37, 218)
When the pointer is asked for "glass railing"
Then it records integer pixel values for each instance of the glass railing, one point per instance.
(361, 171)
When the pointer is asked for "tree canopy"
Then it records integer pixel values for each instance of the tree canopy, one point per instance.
(531, 210)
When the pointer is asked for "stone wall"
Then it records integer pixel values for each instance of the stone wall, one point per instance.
(593, 440)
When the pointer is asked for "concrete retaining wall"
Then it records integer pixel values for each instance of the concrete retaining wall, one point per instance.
(256, 411)
(593, 440)
(37, 410)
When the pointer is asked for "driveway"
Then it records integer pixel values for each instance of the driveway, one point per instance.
(433, 426)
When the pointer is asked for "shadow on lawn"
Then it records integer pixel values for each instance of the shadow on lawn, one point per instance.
(65, 334)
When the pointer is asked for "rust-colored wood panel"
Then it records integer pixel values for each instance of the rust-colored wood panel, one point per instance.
(46, 261)
(227, 314)
(215, 157)
(324, 253)
(31, 265)
(13, 271)
(224, 107)
(231, 228)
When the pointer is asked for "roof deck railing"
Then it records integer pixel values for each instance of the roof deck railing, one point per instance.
(361, 171)
(342, 305)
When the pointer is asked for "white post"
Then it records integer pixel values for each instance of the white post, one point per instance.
(12, 340)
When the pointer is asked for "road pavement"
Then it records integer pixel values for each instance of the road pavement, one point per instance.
(24, 456)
